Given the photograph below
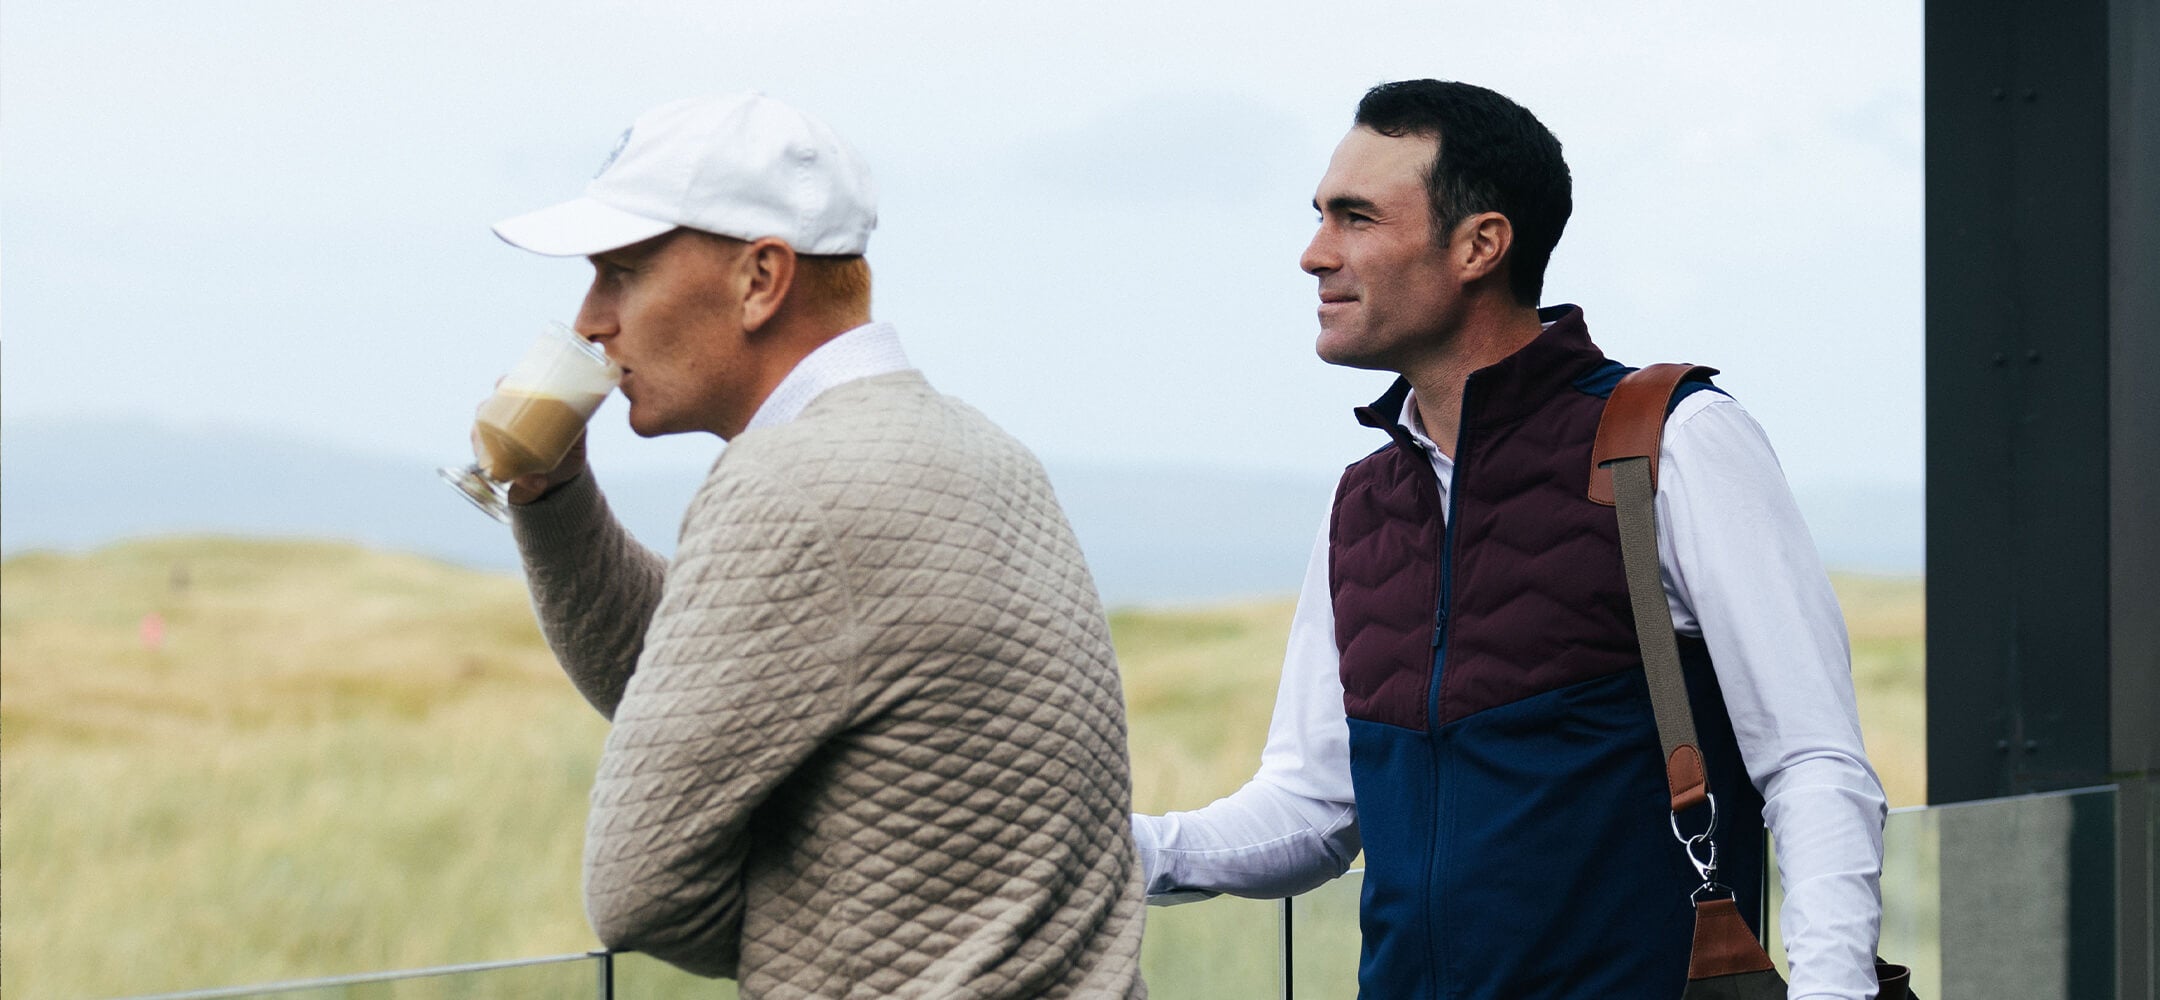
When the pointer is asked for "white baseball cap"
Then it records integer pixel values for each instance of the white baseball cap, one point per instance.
(741, 165)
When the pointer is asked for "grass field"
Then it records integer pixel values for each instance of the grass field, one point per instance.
(334, 760)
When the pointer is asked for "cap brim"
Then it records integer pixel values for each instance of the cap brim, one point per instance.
(578, 228)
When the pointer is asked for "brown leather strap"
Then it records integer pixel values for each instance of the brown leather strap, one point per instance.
(1724, 945)
(1634, 422)
(1684, 775)
(1623, 474)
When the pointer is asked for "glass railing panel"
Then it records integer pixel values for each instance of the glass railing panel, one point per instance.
(2151, 885)
(563, 977)
(1221, 947)
(642, 977)
(2010, 898)
(1324, 940)
(1912, 906)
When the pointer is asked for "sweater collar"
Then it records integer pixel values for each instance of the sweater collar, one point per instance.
(865, 351)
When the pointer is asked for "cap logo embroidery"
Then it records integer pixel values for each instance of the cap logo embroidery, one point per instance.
(620, 143)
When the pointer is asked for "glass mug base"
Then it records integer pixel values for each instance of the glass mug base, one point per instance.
(471, 484)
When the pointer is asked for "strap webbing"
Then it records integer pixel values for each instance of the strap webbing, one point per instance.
(1625, 456)
(1684, 775)
(1725, 959)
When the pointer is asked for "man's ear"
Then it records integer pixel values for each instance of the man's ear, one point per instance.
(769, 272)
(1481, 245)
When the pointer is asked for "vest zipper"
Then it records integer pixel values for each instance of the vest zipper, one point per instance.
(1443, 811)
(1447, 583)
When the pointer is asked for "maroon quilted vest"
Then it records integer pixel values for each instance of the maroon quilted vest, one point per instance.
(1535, 598)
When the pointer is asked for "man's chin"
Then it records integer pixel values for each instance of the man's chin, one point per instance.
(655, 430)
(648, 427)
(1346, 356)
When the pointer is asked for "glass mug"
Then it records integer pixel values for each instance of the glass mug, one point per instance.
(534, 416)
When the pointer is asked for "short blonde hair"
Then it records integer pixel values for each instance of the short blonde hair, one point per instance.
(826, 283)
(833, 283)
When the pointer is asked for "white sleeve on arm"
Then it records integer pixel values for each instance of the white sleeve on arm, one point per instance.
(1294, 825)
(749, 669)
(1742, 571)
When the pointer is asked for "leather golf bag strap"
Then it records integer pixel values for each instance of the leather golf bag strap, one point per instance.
(1623, 474)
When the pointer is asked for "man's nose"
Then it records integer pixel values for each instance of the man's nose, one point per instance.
(595, 320)
(1319, 256)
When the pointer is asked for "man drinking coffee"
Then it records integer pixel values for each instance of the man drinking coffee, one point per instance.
(868, 738)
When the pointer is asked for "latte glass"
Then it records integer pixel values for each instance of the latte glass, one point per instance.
(533, 417)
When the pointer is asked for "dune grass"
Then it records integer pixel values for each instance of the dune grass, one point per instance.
(1886, 618)
(338, 760)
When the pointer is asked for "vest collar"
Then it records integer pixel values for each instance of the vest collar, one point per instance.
(1385, 413)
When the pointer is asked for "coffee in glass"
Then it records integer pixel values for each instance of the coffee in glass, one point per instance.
(534, 416)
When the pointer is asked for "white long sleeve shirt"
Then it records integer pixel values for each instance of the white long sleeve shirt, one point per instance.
(1741, 572)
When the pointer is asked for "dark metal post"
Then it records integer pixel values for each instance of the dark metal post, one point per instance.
(1288, 989)
(2043, 386)
(2017, 396)
(2134, 457)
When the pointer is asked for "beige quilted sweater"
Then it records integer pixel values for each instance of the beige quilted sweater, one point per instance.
(868, 735)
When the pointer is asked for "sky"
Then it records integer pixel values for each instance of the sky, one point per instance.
(273, 217)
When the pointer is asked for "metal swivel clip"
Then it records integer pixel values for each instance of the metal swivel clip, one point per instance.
(1702, 851)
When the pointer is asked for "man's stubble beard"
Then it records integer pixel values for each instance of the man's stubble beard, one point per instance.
(1397, 357)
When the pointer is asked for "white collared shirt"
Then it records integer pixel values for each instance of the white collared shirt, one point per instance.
(1741, 571)
(867, 350)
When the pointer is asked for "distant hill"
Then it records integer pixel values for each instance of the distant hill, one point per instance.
(1152, 534)
(73, 486)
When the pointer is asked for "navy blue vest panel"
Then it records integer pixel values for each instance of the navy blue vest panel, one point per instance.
(1510, 787)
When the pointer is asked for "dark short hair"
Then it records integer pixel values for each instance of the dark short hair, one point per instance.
(1494, 156)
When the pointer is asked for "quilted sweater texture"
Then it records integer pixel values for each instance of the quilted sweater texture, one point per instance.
(868, 736)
